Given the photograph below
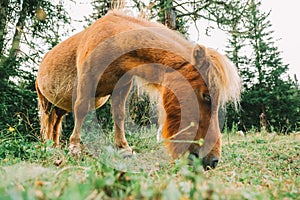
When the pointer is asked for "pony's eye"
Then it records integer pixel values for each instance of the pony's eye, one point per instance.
(207, 98)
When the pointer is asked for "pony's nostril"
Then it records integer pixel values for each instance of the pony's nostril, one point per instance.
(214, 162)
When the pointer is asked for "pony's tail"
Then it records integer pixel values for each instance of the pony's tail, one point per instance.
(45, 114)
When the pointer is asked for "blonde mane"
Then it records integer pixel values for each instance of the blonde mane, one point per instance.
(223, 78)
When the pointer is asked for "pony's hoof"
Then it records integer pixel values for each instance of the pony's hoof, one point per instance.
(127, 153)
(75, 149)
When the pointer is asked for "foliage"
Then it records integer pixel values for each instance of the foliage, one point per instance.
(270, 98)
(214, 11)
(141, 110)
(28, 28)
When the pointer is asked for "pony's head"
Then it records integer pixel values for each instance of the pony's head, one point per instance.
(192, 109)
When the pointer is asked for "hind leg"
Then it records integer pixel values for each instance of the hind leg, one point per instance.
(118, 111)
(58, 125)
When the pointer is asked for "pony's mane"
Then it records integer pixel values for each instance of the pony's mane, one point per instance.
(131, 16)
(118, 4)
(223, 78)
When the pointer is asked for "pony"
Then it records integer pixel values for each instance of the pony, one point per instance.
(81, 73)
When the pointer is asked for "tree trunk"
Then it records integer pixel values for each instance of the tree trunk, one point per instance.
(168, 14)
(3, 22)
(263, 118)
(15, 47)
(8, 63)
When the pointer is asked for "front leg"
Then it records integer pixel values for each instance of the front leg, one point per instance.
(118, 111)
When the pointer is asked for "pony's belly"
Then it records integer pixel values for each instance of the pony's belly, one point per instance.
(62, 96)
(57, 90)
(101, 101)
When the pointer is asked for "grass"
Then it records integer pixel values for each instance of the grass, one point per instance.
(255, 166)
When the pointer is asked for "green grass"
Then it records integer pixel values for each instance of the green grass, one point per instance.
(255, 166)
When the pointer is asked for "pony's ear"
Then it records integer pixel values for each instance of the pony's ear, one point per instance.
(199, 55)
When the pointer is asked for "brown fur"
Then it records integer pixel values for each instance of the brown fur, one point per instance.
(80, 73)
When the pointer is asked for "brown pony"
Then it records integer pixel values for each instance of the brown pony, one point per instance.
(81, 73)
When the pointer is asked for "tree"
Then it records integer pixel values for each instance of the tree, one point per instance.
(28, 29)
(270, 98)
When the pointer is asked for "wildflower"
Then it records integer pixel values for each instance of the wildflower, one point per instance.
(11, 129)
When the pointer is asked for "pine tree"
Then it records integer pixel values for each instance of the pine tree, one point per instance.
(270, 98)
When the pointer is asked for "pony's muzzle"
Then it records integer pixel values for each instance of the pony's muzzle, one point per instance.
(210, 162)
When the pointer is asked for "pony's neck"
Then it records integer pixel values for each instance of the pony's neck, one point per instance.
(152, 64)
(171, 59)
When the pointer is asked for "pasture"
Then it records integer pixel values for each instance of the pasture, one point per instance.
(255, 166)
